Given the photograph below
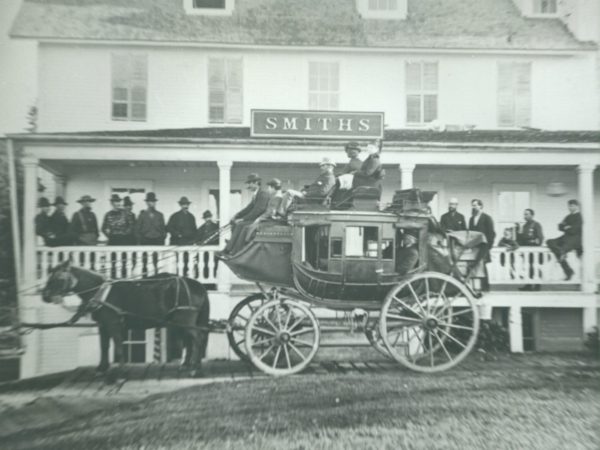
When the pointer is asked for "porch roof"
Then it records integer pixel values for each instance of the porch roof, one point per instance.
(241, 135)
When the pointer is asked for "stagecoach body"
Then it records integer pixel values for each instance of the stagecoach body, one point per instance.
(414, 291)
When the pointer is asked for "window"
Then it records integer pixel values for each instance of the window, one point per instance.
(129, 86)
(209, 4)
(544, 7)
(383, 5)
(362, 242)
(225, 90)
(336, 248)
(510, 202)
(421, 92)
(324, 85)
(514, 94)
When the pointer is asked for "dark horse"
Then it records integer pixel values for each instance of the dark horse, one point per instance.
(154, 302)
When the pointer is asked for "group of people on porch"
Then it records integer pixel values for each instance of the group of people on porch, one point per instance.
(121, 226)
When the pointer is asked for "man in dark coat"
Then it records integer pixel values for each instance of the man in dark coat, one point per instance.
(42, 220)
(130, 239)
(59, 225)
(354, 163)
(570, 240)
(84, 225)
(453, 220)
(182, 224)
(480, 221)
(150, 226)
(117, 224)
(530, 235)
(209, 229)
(252, 211)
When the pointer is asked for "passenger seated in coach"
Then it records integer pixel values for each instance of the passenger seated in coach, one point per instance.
(407, 252)
(318, 190)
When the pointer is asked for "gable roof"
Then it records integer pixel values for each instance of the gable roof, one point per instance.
(444, 24)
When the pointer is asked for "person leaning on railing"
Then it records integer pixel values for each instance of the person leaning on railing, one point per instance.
(530, 234)
(570, 240)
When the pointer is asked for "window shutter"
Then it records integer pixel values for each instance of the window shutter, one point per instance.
(523, 94)
(216, 87)
(506, 101)
(413, 108)
(430, 76)
(234, 83)
(413, 77)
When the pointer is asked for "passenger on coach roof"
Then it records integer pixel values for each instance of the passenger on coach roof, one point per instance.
(371, 172)
(570, 240)
(84, 225)
(150, 226)
(208, 232)
(453, 220)
(318, 190)
(117, 224)
(128, 210)
(182, 224)
(252, 211)
(59, 225)
(42, 220)
(354, 163)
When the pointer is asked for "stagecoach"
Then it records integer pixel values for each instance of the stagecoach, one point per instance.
(391, 274)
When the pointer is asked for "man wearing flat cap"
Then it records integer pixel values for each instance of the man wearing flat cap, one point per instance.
(42, 220)
(150, 225)
(84, 225)
(59, 224)
(252, 211)
(117, 224)
(182, 224)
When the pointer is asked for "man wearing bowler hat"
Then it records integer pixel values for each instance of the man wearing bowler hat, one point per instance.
(84, 225)
(59, 224)
(117, 224)
(182, 224)
(150, 225)
(252, 211)
(42, 220)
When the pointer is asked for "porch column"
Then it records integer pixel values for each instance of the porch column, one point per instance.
(406, 175)
(223, 275)
(586, 198)
(30, 174)
(60, 182)
(515, 329)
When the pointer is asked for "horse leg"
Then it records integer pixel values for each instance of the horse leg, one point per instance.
(194, 345)
(116, 333)
(104, 348)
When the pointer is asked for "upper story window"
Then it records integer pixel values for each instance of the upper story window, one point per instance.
(324, 85)
(129, 86)
(209, 7)
(382, 9)
(514, 94)
(421, 92)
(544, 7)
(225, 86)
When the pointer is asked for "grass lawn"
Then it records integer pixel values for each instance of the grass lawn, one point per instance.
(527, 402)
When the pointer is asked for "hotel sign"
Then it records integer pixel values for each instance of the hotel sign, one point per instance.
(317, 124)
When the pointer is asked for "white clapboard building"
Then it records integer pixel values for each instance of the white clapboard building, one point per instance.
(490, 99)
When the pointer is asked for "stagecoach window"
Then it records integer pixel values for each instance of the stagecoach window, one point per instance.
(362, 242)
(316, 245)
(387, 249)
(336, 248)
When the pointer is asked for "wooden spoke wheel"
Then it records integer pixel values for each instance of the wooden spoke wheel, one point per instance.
(282, 337)
(429, 322)
(238, 319)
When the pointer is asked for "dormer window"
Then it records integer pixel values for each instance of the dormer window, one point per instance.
(209, 7)
(544, 7)
(382, 9)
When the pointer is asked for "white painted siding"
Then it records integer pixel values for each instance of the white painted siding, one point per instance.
(75, 87)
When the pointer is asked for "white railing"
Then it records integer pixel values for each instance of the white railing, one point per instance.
(121, 262)
(530, 265)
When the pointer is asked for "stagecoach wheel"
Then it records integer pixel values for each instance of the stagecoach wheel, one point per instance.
(238, 319)
(376, 341)
(429, 322)
(282, 337)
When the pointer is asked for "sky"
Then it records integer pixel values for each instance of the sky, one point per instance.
(18, 84)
